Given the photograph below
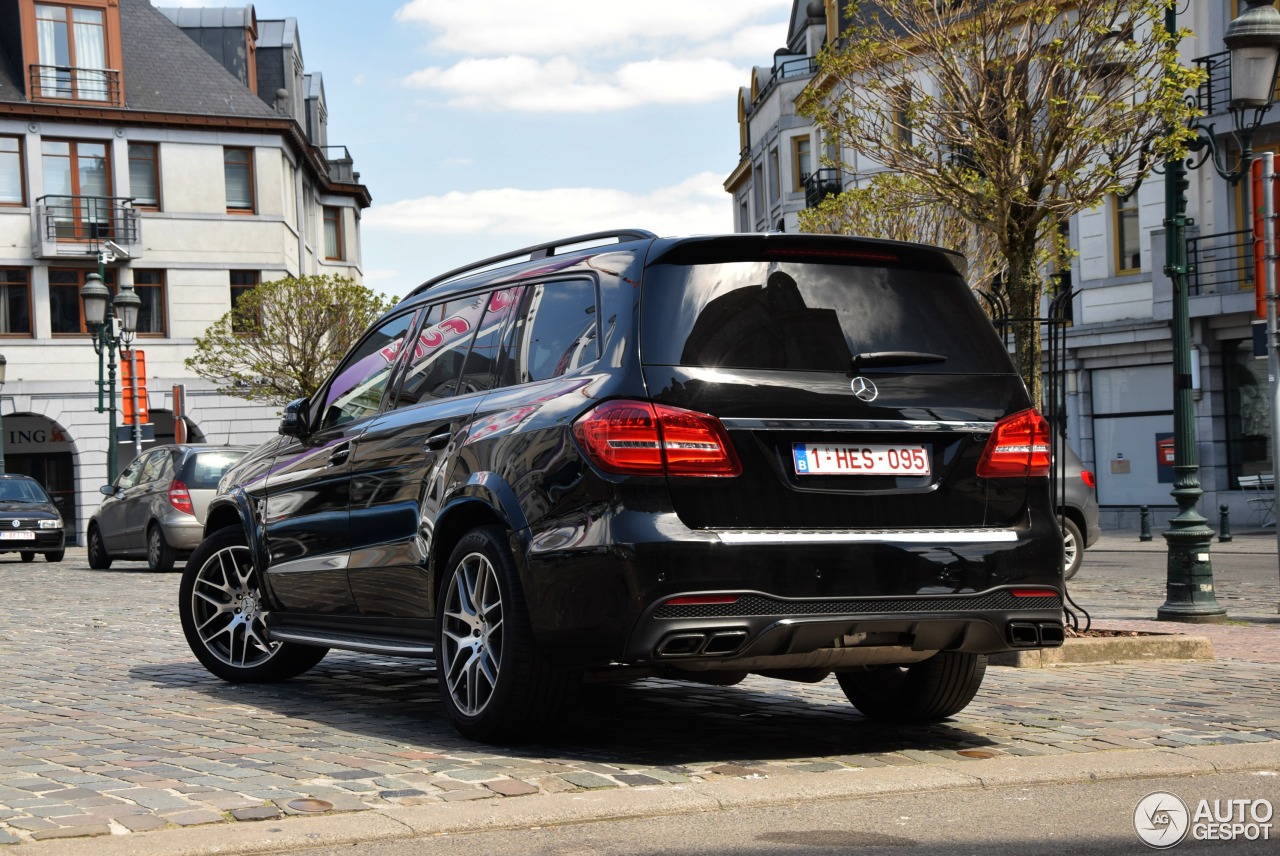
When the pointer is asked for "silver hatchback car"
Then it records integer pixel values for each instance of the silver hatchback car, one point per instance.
(155, 509)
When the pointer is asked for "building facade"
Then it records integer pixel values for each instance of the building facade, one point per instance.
(194, 142)
(1119, 356)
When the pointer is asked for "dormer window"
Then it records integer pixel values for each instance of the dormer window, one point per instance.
(73, 51)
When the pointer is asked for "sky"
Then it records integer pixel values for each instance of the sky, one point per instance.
(482, 126)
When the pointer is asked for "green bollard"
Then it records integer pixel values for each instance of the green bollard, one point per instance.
(1144, 533)
(1225, 513)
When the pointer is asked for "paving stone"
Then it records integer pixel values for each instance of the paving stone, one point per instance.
(261, 812)
(72, 832)
(194, 817)
(511, 787)
(589, 781)
(475, 794)
(141, 822)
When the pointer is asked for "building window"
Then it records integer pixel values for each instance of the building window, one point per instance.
(775, 180)
(15, 302)
(149, 285)
(72, 53)
(1128, 241)
(902, 115)
(77, 186)
(333, 233)
(66, 309)
(801, 160)
(12, 187)
(744, 217)
(1248, 412)
(144, 175)
(242, 282)
(757, 190)
(238, 168)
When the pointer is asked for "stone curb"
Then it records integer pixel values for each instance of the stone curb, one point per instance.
(1110, 649)
(405, 822)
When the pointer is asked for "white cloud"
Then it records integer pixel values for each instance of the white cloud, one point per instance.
(561, 85)
(696, 205)
(580, 27)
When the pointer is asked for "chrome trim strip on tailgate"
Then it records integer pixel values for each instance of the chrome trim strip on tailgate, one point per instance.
(903, 536)
(857, 425)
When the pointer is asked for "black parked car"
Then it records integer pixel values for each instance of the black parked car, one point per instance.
(702, 457)
(29, 522)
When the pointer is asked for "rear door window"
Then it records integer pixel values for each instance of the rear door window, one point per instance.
(439, 350)
(480, 371)
(813, 317)
(554, 333)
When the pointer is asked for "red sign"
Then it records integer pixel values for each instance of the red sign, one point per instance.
(126, 388)
(1164, 452)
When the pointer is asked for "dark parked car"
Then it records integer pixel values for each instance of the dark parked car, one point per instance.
(29, 522)
(1078, 512)
(155, 509)
(791, 455)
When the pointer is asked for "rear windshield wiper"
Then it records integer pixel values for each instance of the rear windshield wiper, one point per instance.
(871, 359)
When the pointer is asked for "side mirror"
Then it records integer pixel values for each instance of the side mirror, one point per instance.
(107, 490)
(294, 421)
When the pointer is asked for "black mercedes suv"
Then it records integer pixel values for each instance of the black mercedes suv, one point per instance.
(699, 458)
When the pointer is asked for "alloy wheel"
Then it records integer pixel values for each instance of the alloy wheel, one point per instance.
(472, 634)
(227, 607)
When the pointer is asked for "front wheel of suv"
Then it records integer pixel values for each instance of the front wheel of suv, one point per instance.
(932, 689)
(220, 603)
(494, 684)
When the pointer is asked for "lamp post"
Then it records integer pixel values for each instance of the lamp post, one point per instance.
(3, 367)
(1253, 39)
(111, 323)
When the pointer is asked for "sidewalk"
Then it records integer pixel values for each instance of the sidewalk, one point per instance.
(1250, 541)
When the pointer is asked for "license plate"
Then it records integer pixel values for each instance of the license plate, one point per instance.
(841, 459)
(18, 535)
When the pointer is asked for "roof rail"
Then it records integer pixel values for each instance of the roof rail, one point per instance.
(537, 251)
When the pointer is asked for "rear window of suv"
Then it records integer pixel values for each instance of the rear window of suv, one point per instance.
(812, 317)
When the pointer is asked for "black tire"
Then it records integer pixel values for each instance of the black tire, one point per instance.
(932, 689)
(99, 560)
(160, 556)
(55, 555)
(494, 684)
(219, 601)
(27, 556)
(1072, 548)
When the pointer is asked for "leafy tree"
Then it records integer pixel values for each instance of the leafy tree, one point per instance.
(894, 206)
(1013, 114)
(282, 338)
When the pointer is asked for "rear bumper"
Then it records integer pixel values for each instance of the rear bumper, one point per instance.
(794, 593)
(183, 532)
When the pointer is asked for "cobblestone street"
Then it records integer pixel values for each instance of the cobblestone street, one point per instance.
(108, 724)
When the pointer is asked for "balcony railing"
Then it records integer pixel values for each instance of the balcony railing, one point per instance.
(1214, 95)
(1221, 263)
(820, 185)
(77, 225)
(68, 83)
(804, 67)
(341, 167)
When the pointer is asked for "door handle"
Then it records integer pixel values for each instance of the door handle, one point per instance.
(340, 454)
(436, 442)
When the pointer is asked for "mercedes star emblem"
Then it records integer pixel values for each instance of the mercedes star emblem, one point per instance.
(864, 389)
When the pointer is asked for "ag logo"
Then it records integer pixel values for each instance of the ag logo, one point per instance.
(864, 389)
(1161, 820)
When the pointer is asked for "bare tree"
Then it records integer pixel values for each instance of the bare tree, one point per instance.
(1014, 114)
(281, 339)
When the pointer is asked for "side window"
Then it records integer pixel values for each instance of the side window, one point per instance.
(555, 333)
(439, 350)
(357, 386)
(129, 477)
(480, 371)
(153, 468)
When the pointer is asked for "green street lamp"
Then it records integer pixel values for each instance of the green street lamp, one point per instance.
(111, 323)
(3, 367)
(1253, 40)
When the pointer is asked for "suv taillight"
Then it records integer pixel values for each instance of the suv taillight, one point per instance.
(639, 438)
(1086, 476)
(180, 498)
(1019, 446)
